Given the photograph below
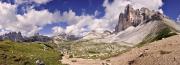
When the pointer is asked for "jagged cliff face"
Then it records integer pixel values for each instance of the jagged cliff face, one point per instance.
(136, 26)
(14, 36)
(132, 17)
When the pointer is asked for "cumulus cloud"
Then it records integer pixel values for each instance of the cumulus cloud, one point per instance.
(7, 15)
(33, 21)
(29, 23)
(57, 30)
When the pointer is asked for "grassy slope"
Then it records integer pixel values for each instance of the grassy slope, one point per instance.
(91, 50)
(12, 53)
(164, 33)
(88, 49)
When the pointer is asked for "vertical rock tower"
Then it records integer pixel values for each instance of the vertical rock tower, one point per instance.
(132, 17)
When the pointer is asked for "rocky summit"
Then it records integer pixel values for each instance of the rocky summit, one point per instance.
(132, 17)
(14, 36)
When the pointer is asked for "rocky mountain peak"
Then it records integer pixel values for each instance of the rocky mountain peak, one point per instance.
(14, 36)
(18, 37)
(133, 17)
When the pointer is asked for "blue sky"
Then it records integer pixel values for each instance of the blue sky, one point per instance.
(78, 6)
(86, 8)
(171, 8)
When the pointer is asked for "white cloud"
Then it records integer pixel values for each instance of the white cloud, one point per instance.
(7, 15)
(76, 23)
(33, 21)
(178, 19)
(96, 13)
(42, 1)
(29, 23)
(30, 1)
(3, 32)
(57, 30)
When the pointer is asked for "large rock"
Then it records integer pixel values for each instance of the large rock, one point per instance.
(132, 17)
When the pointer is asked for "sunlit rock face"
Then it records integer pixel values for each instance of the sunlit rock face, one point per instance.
(132, 17)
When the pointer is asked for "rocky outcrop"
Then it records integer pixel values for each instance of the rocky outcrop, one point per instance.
(132, 17)
(14, 36)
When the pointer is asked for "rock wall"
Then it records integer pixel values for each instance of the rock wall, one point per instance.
(132, 17)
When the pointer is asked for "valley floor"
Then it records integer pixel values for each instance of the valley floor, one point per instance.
(163, 52)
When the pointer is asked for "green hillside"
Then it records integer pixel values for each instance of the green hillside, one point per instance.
(12, 53)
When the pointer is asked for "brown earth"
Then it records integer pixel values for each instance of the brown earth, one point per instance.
(163, 52)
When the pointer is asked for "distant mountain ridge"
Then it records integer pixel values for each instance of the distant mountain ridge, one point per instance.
(17, 37)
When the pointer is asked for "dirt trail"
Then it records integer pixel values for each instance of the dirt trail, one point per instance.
(163, 52)
(80, 61)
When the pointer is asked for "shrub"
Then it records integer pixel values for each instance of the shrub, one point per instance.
(164, 52)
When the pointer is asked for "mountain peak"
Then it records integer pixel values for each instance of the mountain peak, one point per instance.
(134, 17)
